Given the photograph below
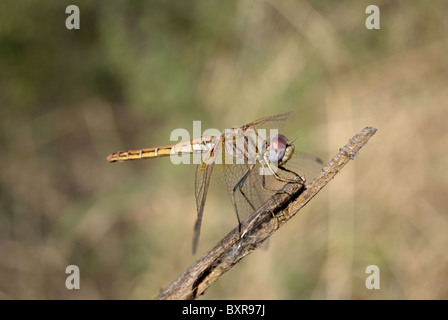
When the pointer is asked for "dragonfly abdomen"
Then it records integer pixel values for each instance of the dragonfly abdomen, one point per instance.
(139, 154)
(198, 145)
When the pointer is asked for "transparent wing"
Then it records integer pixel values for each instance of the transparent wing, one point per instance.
(275, 121)
(249, 195)
(202, 181)
(305, 165)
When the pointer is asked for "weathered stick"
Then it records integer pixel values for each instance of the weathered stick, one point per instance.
(259, 226)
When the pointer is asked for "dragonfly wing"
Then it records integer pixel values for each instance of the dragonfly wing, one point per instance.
(247, 196)
(270, 122)
(304, 164)
(203, 175)
(202, 182)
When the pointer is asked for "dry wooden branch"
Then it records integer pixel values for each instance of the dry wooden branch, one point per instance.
(259, 226)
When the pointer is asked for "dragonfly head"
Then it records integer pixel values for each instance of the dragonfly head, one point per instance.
(280, 149)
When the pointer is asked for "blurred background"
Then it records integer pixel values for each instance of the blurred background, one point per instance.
(136, 70)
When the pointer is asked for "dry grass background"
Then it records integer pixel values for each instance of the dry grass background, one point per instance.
(137, 70)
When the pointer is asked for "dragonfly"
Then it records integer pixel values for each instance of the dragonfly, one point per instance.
(253, 161)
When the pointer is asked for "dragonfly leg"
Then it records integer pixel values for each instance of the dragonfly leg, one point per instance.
(275, 174)
(239, 187)
(265, 187)
(297, 176)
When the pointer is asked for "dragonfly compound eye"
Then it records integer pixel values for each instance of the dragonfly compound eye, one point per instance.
(277, 148)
